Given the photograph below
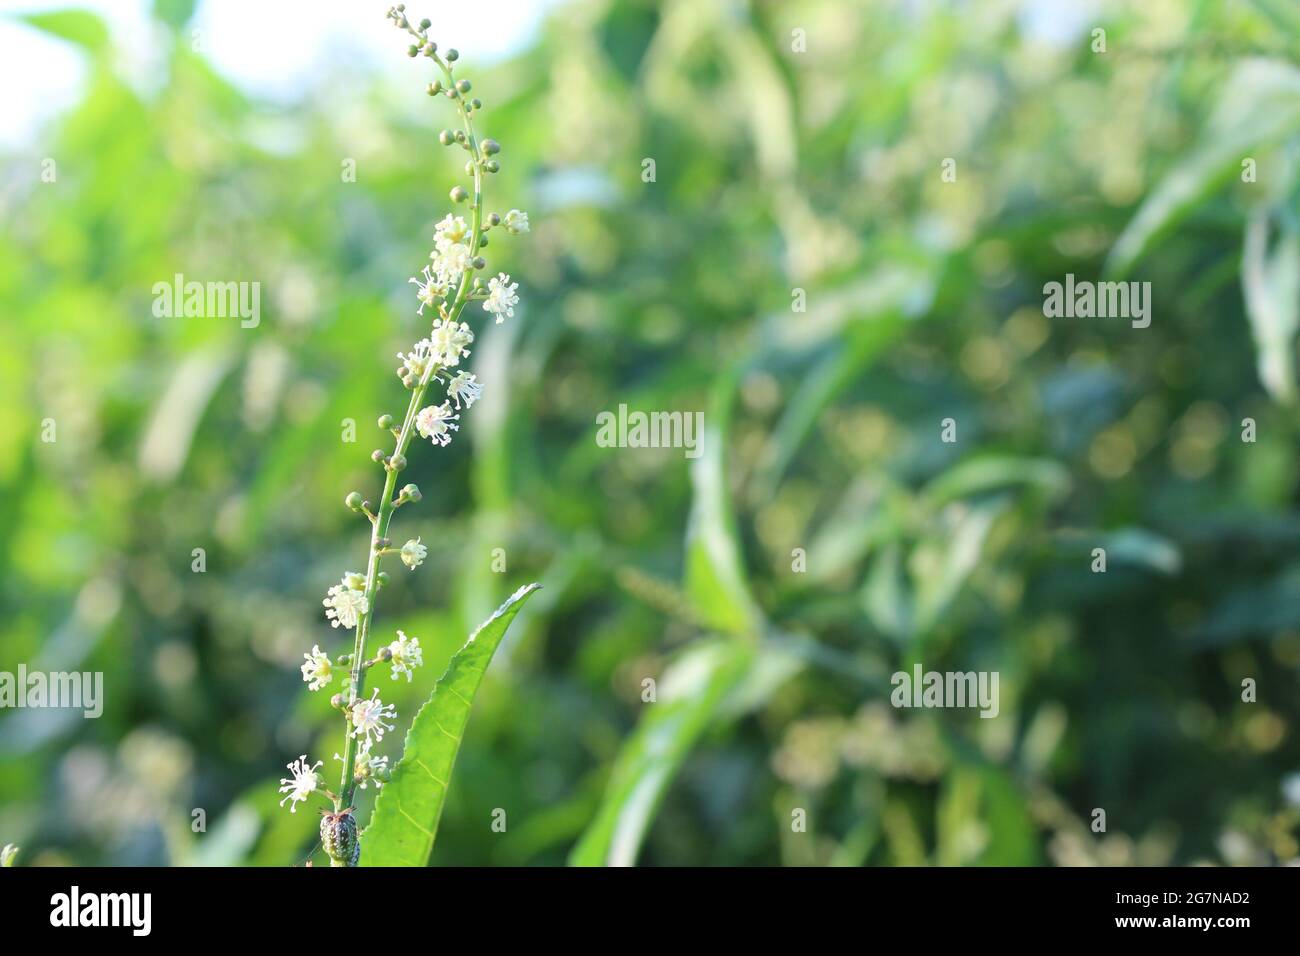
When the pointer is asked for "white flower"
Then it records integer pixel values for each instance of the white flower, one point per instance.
(453, 230)
(413, 554)
(436, 422)
(417, 360)
(449, 262)
(346, 602)
(407, 656)
(368, 717)
(501, 300)
(464, 387)
(301, 785)
(367, 769)
(450, 341)
(316, 672)
(516, 222)
(433, 288)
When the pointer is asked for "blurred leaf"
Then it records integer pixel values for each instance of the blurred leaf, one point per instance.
(1259, 105)
(1271, 285)
(689, 696)
(886, 596)
(715, 574)
(174, 13)
(408, 808)
(992, 472)
(963, 545)
(1135, 546)
(78, 26)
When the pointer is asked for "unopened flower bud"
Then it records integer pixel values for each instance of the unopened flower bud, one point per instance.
(412, 50)
(385, 421)
(452, 55)
(493, 219)
(426, 23)
(377, 455)
(492, 166)
(385, 654)
(353, 500)
(463, 86)
(382, 578)
(397, 463)
(411, 493)
(491, 146)
(458, 194)
(446, 137)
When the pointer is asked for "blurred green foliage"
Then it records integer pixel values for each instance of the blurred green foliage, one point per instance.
(775, 171)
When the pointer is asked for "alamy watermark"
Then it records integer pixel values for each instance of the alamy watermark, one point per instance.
(1101, 300)
(73, 690)
(946, 689)
(75, 908)
(212, 300)
(626, 429)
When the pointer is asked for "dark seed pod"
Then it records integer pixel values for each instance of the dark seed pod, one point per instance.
(338, 837)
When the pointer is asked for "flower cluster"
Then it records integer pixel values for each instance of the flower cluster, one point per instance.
(452, 278)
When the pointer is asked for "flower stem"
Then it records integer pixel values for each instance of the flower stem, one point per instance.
(379, 529)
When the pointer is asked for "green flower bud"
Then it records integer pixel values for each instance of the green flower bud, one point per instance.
(476, 103)
(452, 55)
(458, 194)
(446, 137)
(385, 653)
(478, 262)
(382, 578)
(463, 86)
(426, 23)
(397, 463)
(411, 493)
(377, 455)
(492, 166)
(385, 422)
(412, 50)
(491, 146)
(353, 500)
(493, 219)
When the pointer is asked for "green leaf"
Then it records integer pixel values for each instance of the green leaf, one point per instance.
(1272, 91)
(690, 694)
(715, 572)
(408, 808)
(993, 472)
(1271, 285)
(78, 26)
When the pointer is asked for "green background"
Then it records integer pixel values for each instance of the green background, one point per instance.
(775, 170)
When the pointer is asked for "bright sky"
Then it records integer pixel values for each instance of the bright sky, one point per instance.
(268, 47)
